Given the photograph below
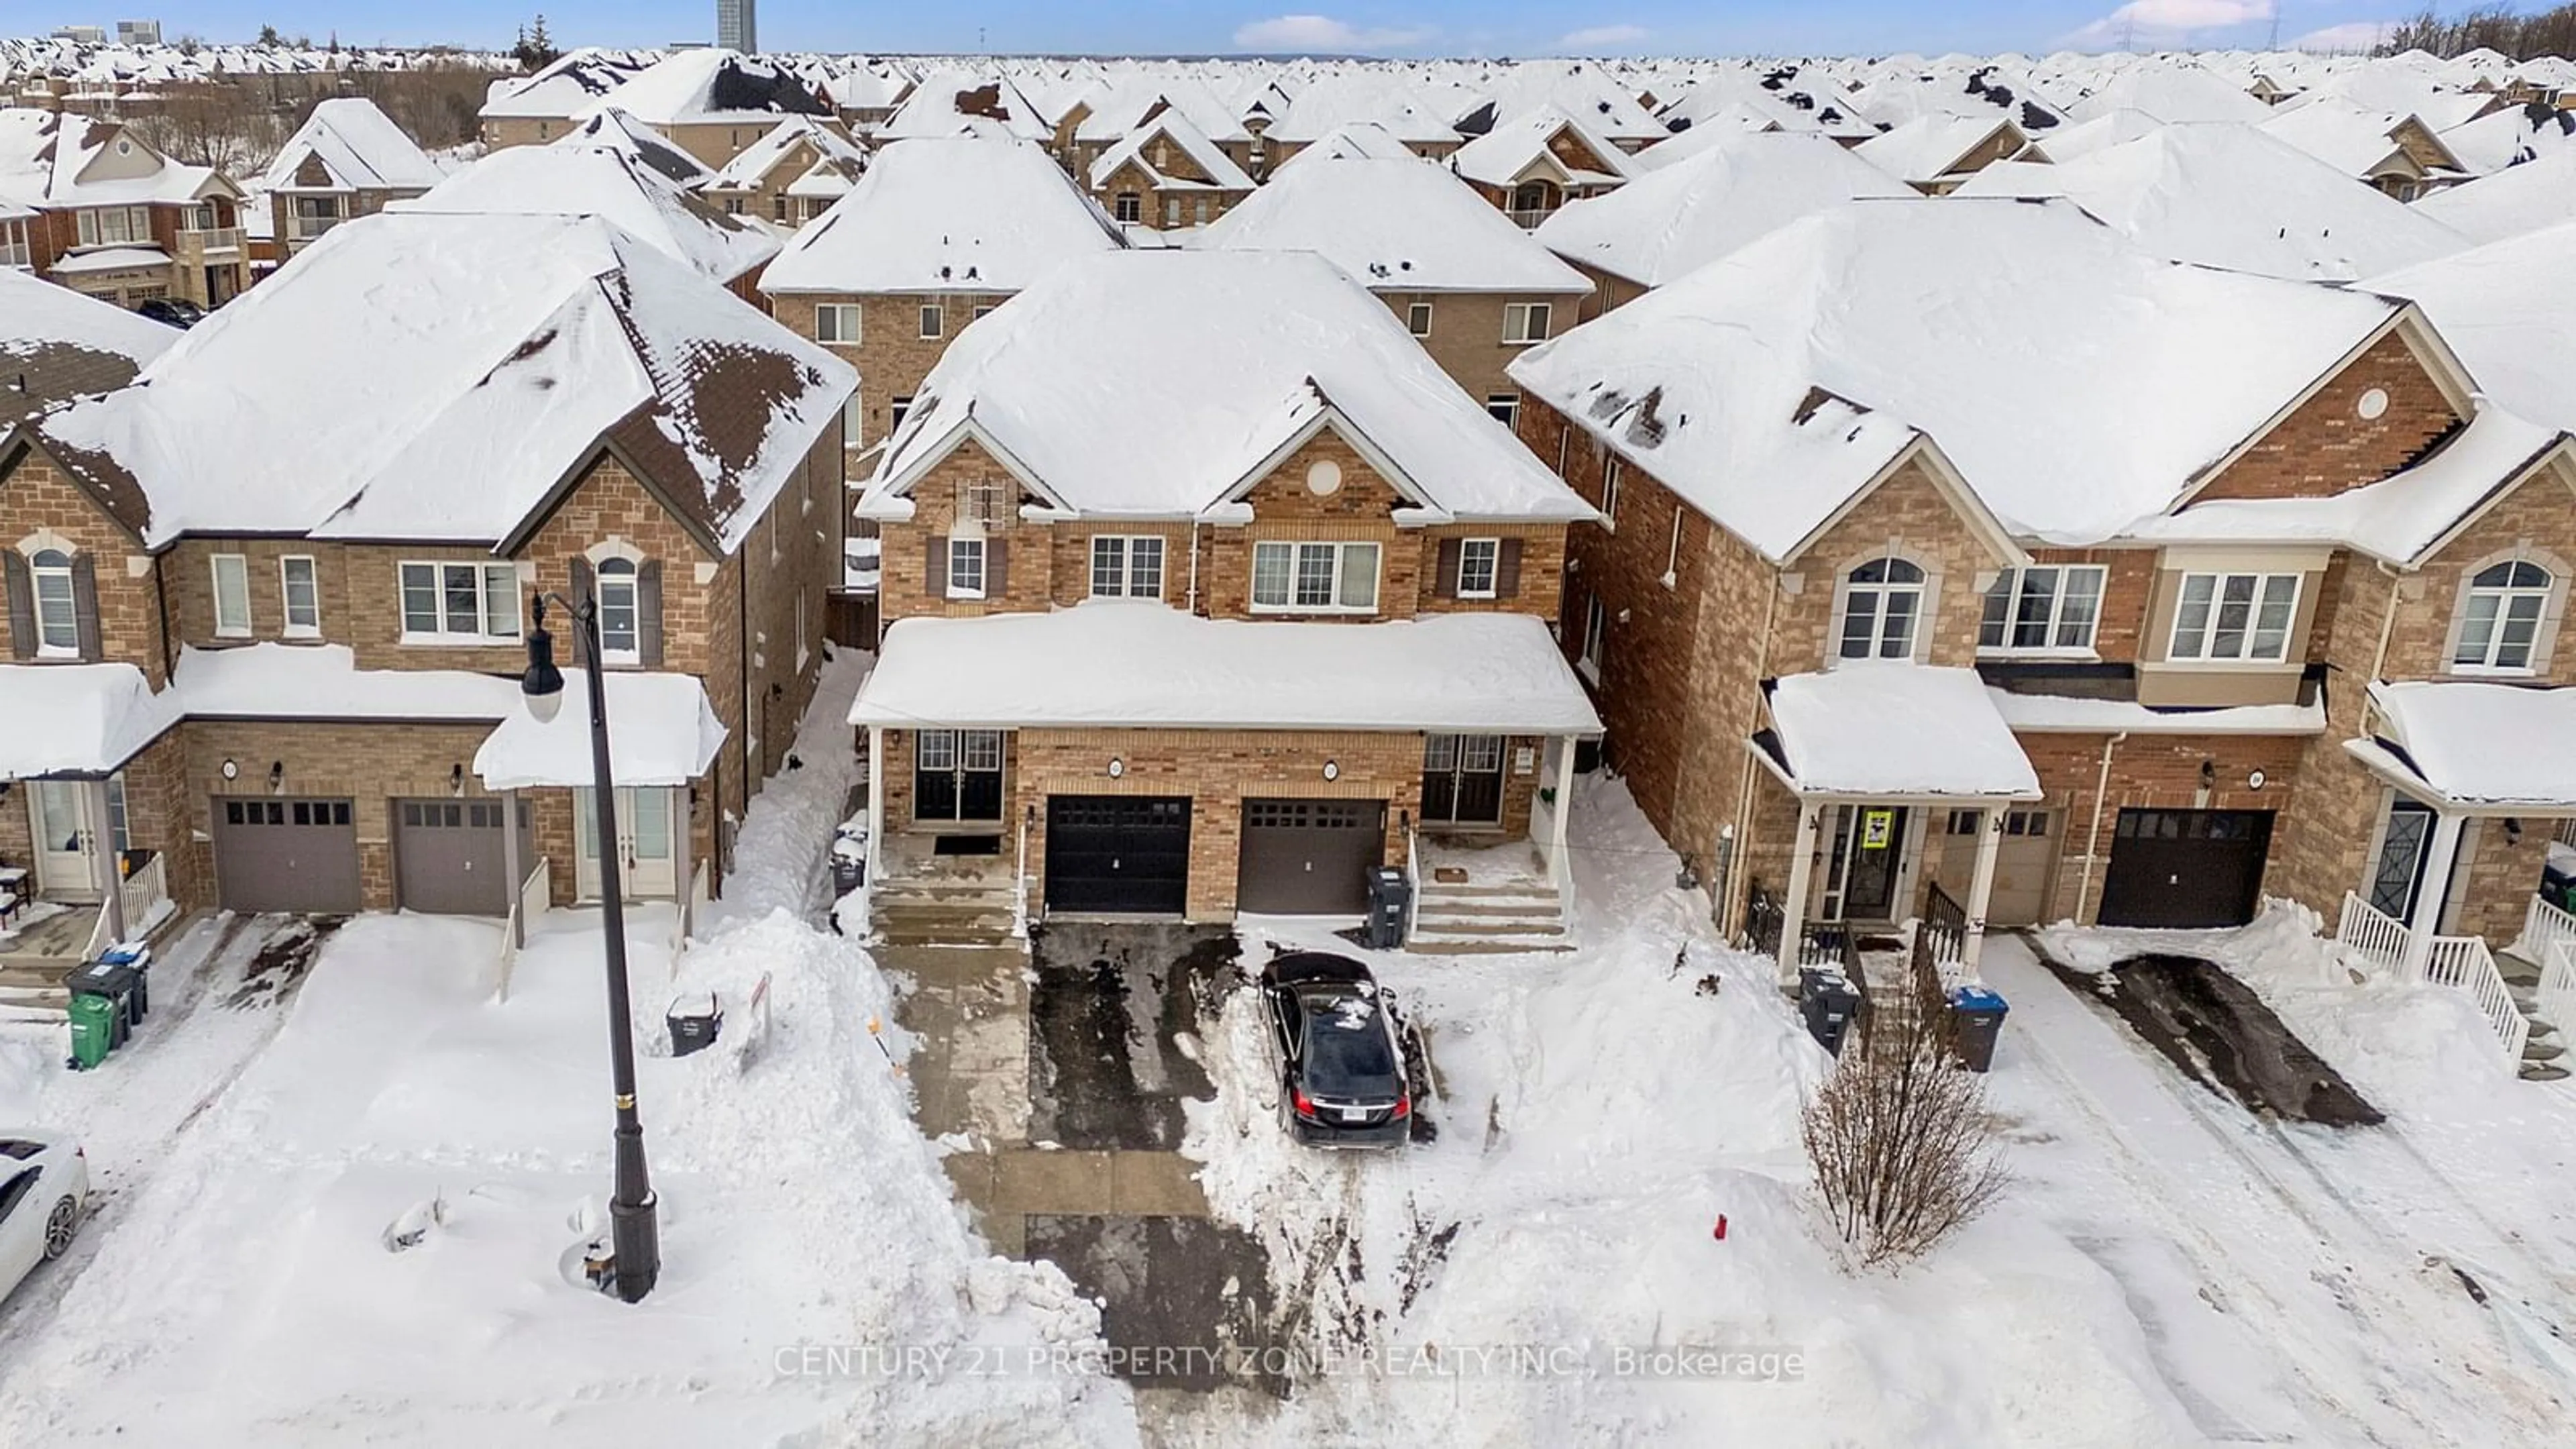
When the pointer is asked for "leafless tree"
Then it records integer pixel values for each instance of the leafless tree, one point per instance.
(2493, 27)
(213, 123)
(1899, 1138)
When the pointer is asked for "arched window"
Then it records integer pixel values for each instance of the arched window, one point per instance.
(2501, 625)
(1880, 607)
(620, 634)
(57, 618)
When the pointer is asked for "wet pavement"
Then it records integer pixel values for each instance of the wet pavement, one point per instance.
(2220, 1034)
(1114, 1023)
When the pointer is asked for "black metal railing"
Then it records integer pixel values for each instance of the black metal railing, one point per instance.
(1762, 922)
(1944, 931)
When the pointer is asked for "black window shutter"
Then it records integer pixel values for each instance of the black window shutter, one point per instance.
(582, 591)
(997, 567)
(1507, 569)
(1445, 577)
(648, 612)
(934, 574)
(22, 604)
(85, 605)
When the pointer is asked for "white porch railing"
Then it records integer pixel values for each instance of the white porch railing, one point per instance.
(2379, 938)
(535, 897)
(145, 896)
(100, 937)
(1412, 879)
(2556, 998)
(2544, 927)
(1020, 882)
(2465, 963)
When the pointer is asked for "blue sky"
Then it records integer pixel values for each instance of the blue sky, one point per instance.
(1392, 27)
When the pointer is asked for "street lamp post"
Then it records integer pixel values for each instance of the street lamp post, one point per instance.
(633, 1233)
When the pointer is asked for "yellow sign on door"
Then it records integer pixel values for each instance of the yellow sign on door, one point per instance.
(1876, 828)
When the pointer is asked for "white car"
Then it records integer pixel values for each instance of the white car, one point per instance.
(44, 1184)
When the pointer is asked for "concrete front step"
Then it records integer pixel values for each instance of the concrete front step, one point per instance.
(1448, 926)
(1432, 889)
(1500, 907)
(1485, 946)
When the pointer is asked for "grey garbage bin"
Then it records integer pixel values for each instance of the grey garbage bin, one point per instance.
(694, 1021)
(1977, 1020)
(1389, 898)
(1828, 1003)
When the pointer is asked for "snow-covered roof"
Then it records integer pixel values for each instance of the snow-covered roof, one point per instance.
(611, 129)
(2518, 199)
(661, 731)
(359, 148)
(2341, 134)
(1343, 96)
(616, 186)
(2086, 137)
(60, 159)
(1352, 141)
(965, 102)
(946, 215)
(1926, 148)
(109, 259)
(437, 377)
(2511, 137)
(748, 170)
(2226, 195)
(56, 343)
(712, 86)
(572, 83)
(1895, 730)
(77, 719)
(2477, 744)
(1768, 388)
(2070, 714)
(1681, 217)
(324, 682)
(1137, 148)
(2508, 309)
(1396, 226)
(2180, 91)
(1501, 156)
(1112, 663)
(1211, 365)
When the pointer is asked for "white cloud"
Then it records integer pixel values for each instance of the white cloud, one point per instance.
(2159, 20)
(2358, 35)
(1324, 33)
(1604, 37)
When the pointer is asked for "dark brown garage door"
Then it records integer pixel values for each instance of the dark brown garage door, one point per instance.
(286, 855)
(2186, 869)
(1309, 857)
(1118, 854)
(450, 857)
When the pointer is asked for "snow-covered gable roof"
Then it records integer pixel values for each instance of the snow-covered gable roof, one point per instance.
(56, 343)
(964, 102)
(1119, 110)
(2226, 195)
(1930, 147)
(77, 719)
(2174, 91)
(572, 84)
(1356, 141)
(597, 181)
(696, 87)
(1677, 219)
(1121, 346)
(1501, 156)
(2477, 744)
(1397, 226)
(2518, 199)
(1137, 664)
(1709, 134)
(1772, 386)
(2509, 310)
(359, 148)
(1833, 736)
(2108, 129)
(2511, 137)
(58, 159)
(749, 170)
(946, 215)
(1138, 147)
(419, 376)
(1344, 96)
(2342, 134)
(610, 129)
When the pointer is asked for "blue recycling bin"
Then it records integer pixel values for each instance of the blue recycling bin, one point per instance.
(1976, 1021)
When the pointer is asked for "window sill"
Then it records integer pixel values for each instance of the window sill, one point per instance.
(1589, 669)
(313, 633)
(1478, 595)
(2484, 671)
(1291, 611)
(965, 596)
(459, 641)
(2227, 666)
(2041, 656)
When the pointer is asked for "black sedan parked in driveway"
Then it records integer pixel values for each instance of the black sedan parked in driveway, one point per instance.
(1341, 1061)
(176, 312)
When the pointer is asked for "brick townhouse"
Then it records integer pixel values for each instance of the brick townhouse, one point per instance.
(281, 673)
(1290, 627)
(2108, 589)
(88, 203)
(789, 176)
(347, 160)
(1531, 164)
(1474, 289)
(1166, 175)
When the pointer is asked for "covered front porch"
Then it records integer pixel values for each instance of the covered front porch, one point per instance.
(76, 874)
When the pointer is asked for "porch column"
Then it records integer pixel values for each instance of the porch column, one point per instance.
(1558, 865)
(876, 803)
(1981, 889)
(102, 858)
(1793, 907)
(683, 825)
(2424, 920)
(515, 868)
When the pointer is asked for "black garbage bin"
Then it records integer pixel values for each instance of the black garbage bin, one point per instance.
(849, 866)
(113, 982)
(139, 960)
(695, 1021)
(1828, 1003)
(1976, 1019)
(1389, 898)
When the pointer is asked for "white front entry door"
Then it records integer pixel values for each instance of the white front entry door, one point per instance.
(59, 811)
(647, 850)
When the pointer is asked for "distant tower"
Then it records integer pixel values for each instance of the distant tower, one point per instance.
(738, 25)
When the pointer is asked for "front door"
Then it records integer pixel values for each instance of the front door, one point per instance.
(1462, 780)
(60, 815)
(1860, 875)
(2399, 872)
(957, 776)
(647, 844)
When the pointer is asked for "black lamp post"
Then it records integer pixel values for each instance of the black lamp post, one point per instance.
(634, 1235)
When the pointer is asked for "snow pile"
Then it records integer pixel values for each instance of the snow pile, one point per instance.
(1395, 226)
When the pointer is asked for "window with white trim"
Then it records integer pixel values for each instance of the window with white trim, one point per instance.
(854, 422)
(621, 629)
(1314, 578)
(1596, 633)
(1126, 567)
(57, 616)
(1128, 207)
(232, 596)
(301, 588)
(1417, 319)
(934, 321)
(1882, 602)
(965, 568)
(459, 603)
(1526, 322)
(1504, 408)
(895, 410)
(837, 324)
(112, 226)
(2500, 619)
(2047, 608)
(2235, 618)
(1610, 492)
(982, 311)
(1480, 563)
(15, 250)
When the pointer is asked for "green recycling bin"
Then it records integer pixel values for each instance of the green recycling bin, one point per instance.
(94, 1023)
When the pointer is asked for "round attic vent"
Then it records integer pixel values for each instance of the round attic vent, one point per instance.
(2372, 404)
(1325, 478)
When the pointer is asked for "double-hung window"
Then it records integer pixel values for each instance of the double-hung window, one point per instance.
(232, 596)
(837, 324)
(1417, 319)
(1479, 567)
(621, 631)
(1504, 408)
(57, 616)
(1609, 491)
(966, 568)
(459, 603)
(1526, 322)
(2046, 608)
(2235, 618)
(1128, 207)
(1315, 578)
(302, 592)
(110, 226)
(1126, 568)
(2500, 624)
(934, 320)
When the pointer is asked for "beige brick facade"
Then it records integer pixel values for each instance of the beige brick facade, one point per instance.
(891, 354)
(2325, 446)
(38, 503)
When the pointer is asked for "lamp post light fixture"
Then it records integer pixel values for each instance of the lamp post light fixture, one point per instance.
(634, 1234)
